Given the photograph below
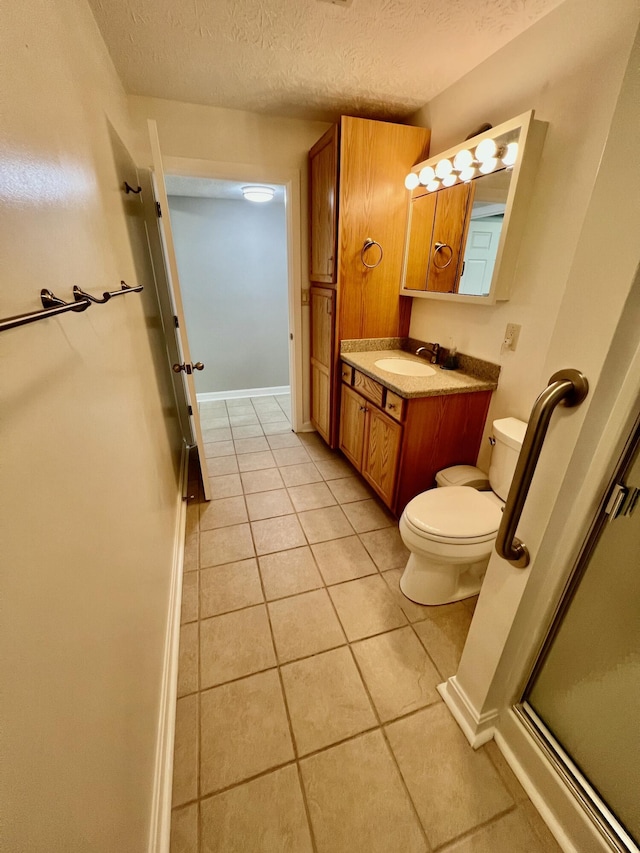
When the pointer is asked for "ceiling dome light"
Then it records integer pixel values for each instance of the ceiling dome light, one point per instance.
(411, 181)
(432, 186)
(511, 154)
(444, 168)
(468, 173)
(488, 165)
(260, 194)
(449, 181)
(462, 160)
(426, 175)
(486, 150)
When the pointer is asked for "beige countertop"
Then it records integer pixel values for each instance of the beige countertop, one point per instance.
(442, 382)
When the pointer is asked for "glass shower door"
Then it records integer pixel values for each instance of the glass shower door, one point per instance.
(585, 692)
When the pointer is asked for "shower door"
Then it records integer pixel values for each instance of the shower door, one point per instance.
(583, 699)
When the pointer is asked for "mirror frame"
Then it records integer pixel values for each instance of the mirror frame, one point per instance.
(530, 142)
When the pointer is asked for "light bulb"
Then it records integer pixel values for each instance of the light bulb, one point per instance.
(486, 150)
(468, 173)
(462, 160)
(443, 168)
(432, 186)
(488, 165)
(449, 181)
(411, 181)
(426, 175)
(511, 154)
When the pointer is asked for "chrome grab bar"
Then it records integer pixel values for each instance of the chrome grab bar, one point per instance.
(567, 386)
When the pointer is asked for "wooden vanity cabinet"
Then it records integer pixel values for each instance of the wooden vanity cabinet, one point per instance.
(357, 194)
(399, 445)
(371, 441)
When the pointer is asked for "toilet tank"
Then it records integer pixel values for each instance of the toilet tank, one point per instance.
(509, 435)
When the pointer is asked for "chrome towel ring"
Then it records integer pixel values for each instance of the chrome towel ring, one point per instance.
(439, 248)
(368, 243)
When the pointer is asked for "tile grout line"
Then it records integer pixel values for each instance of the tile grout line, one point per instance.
(294, 743)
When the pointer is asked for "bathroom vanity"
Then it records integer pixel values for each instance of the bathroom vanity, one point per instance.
(398, 430)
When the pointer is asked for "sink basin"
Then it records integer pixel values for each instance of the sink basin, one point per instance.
(404, 367)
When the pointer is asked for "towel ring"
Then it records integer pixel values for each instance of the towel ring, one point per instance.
(439, 247)
(368, 243)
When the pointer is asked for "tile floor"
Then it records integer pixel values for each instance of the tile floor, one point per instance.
(308, 717)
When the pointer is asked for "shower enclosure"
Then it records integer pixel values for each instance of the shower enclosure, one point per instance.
(582, 702)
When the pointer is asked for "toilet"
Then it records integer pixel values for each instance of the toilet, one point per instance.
(450, 530)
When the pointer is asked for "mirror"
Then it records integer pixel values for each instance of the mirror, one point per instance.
(464, 204)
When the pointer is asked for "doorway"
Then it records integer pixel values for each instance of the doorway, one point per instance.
(254, 343)
(232, 259)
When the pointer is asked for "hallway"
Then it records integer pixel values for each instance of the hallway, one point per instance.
(308, 716)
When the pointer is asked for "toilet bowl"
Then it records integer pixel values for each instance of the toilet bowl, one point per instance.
(450, 530)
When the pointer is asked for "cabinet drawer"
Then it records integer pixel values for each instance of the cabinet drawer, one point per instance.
(368, 387)
(346, 373)
(394, 406)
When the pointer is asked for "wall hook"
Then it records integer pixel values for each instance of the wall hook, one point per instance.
(79, 294)
(129, 189)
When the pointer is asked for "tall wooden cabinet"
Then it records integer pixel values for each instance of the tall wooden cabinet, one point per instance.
(358, 221)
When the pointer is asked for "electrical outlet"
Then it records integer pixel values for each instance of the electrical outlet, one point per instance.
(511, 335)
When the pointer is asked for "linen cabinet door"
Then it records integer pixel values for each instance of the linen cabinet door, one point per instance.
(322, 305)
(353, 414)
(323, 193)
(382, 454)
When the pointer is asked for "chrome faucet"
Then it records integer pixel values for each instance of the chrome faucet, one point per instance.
(432, 350)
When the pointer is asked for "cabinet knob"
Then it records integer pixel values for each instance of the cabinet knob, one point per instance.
(363, 409)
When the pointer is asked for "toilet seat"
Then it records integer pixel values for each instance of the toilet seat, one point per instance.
(458, 514)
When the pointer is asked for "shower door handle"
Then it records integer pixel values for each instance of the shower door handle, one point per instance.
(567, 386)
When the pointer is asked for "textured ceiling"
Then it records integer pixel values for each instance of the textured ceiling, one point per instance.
(181, 185)
(304, 58)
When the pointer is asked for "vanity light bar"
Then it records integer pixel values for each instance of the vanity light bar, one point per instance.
(486, 158)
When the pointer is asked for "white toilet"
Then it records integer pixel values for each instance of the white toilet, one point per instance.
(450, 531)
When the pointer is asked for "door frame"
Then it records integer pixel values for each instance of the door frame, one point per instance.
(290, 179)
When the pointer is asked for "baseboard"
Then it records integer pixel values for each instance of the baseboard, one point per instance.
(477, 728)
(212, 396)
(160, 828)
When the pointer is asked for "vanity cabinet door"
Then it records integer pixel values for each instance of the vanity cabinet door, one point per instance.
(382, 452)
(323, 190)
(353, 416)
(322, 304)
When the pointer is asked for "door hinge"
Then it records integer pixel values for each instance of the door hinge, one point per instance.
(616, 501)
(190, 410)
(175, 321)
(158, 210)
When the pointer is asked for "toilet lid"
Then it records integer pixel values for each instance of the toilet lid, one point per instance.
(454, 514)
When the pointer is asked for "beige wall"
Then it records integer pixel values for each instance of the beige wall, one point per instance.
(89, 452)
(233, 136)
(568, 67)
